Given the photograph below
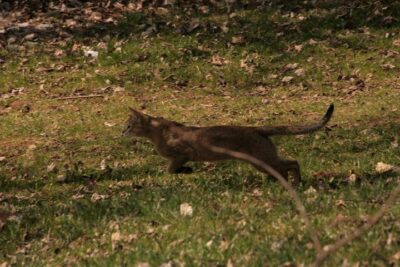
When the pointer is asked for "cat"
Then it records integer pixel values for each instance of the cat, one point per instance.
(180, 143)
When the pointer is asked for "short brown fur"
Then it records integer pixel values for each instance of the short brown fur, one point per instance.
(180, 143)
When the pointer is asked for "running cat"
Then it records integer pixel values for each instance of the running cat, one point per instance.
(180, 143)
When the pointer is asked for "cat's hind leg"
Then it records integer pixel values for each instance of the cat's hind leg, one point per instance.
(284, 167)
(293, 167)
(177, 166)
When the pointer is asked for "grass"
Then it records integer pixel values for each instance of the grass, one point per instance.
(239, 216)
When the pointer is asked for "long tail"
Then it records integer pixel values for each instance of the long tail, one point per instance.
(299, 129)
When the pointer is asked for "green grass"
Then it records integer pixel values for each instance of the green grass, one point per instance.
(239, 215)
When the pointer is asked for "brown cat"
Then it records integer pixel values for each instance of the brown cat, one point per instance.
(180, 143)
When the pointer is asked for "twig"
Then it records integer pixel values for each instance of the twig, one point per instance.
(322, 253)
(372, 220)
(282, 180)
(77, 97)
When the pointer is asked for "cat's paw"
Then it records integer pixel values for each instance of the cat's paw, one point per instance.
(185, 169)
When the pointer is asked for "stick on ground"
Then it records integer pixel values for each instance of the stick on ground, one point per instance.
(322, 253)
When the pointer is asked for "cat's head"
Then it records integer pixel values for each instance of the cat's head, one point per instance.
(137, 124)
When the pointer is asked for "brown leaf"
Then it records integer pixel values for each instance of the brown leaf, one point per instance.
(193, 25)
(70, 23)
(383, 167)
(287, 79)
(204, 9)
(396, 42)
(59, 53)
(95, 16)
(290, 66)
(388, 66)
(52, 167)
(299, 72)
(352, 178)
(186, 209)
(340, 203)
(224, 245)
(396, 256)
(97, 197)
(217, 60)
(298, 48)
(238, 40)
(161, 11)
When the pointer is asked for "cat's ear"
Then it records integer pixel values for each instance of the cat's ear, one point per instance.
(141, 116)
(135, 112)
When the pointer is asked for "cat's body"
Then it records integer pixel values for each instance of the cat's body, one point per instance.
(180, 143)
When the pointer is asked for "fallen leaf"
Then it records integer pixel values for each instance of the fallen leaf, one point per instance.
(340, 203)
(103, 164)
(352, 178)
(130, 238)
(30, 37)
(70, 23)
(161, 11)
(91, 53)
(238, 40)
(310, 191)
(395, 143)
(391, 238)
(193, 25)
(59, 53)
(204, 9)
(118, 89)
(396, 42)
(217, 60)
(287, 79)
(186, 209)
(97, 197)
(396, 256)
(78, 196)
(32, 147)
(257, 192)
(2, 159)
(116, 236)
(102, 45)
(388, 66)
(109, 124)
(95, 16)
(224, 245)
(61, 178)
(299, 72)
(290, 66)
(51, 167)
(298, 48)
(383, 167)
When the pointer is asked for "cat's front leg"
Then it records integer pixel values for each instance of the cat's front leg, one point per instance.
(176, 166)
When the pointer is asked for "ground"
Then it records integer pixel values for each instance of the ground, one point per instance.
(74, 191)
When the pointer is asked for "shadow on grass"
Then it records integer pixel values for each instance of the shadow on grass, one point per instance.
(338, 181)
(326, 18)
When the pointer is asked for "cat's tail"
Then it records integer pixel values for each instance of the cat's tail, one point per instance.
(299, 129)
